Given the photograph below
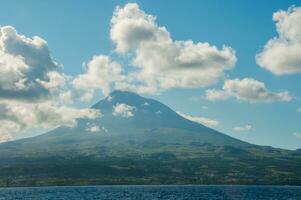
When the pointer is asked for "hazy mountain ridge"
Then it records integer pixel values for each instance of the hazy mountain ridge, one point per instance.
(148, 144)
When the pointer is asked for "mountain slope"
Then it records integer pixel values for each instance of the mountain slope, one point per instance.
(142, 141)
(152, 121)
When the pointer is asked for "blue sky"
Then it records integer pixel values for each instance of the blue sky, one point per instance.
(76, 31)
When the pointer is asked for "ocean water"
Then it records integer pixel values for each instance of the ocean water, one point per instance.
(153, 192)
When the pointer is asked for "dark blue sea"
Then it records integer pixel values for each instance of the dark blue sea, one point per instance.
(153, 192)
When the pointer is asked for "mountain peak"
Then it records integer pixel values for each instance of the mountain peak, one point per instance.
(149, 114)
(121, 96)
(122, 93)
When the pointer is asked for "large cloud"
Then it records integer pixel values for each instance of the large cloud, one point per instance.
(282, 55)
(157, 62)
(27, 70)
(32, 88)
(247, 89)
(161, 62)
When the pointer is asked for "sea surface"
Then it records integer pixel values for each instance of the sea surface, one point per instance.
(153, 192)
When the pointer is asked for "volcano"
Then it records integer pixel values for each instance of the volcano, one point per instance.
(138, 140)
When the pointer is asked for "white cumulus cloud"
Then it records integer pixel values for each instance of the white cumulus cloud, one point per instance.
(159, 61)
(27, 69)
(282, 55)
(155, 62)
(33, 90)
(247, 89)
